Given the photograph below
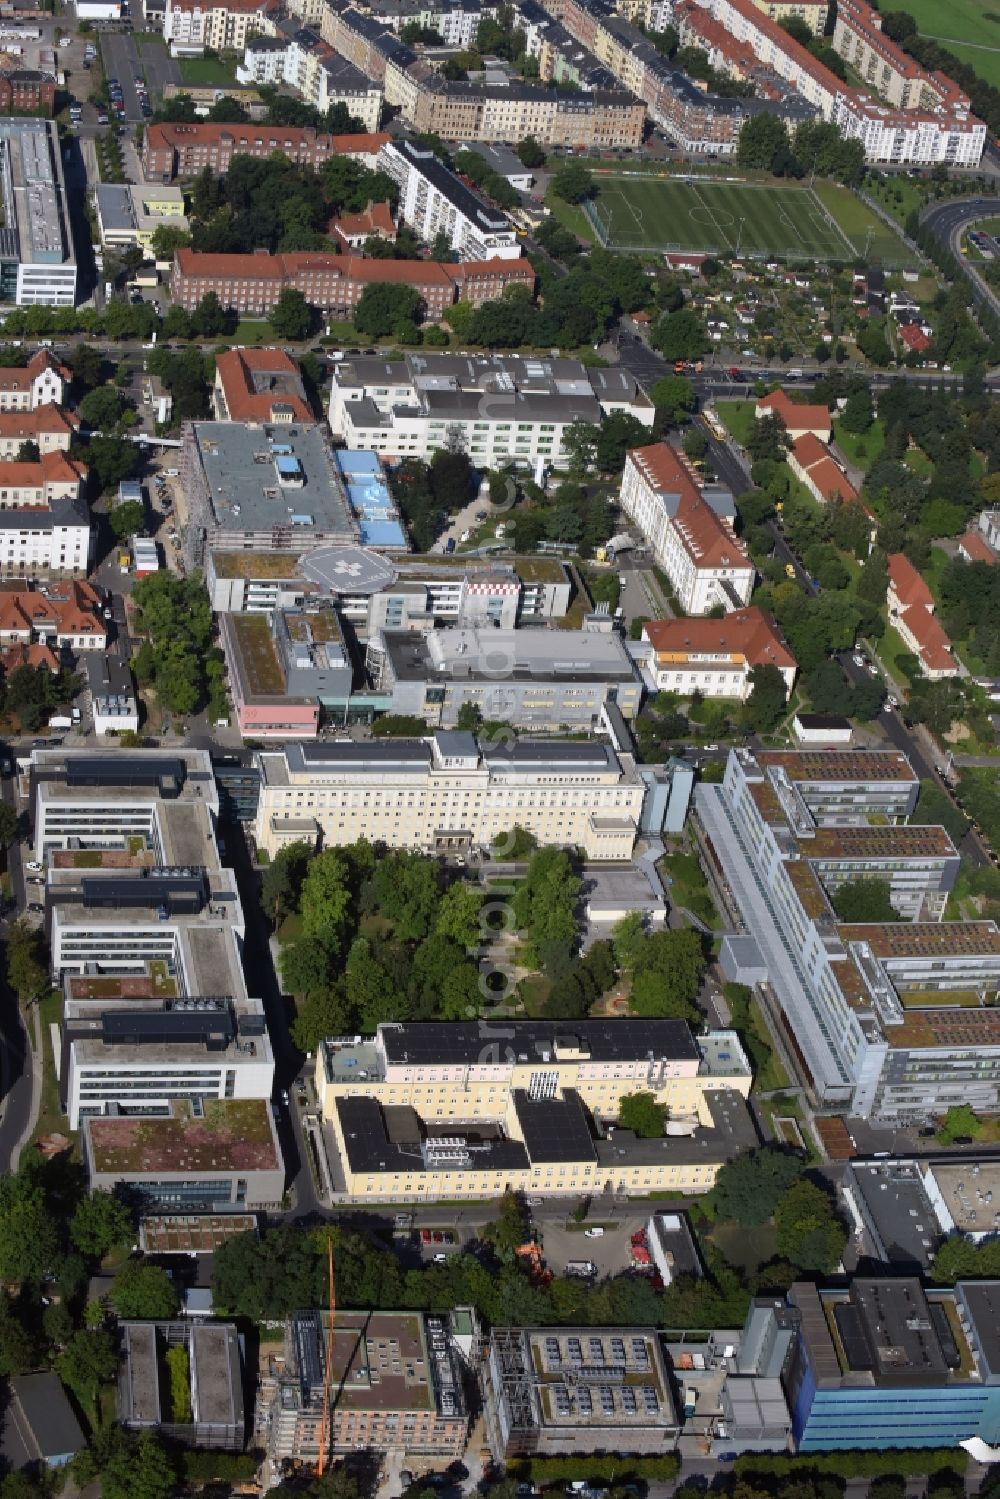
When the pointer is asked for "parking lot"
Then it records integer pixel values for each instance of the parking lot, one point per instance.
(130, 60)
(610, 1253)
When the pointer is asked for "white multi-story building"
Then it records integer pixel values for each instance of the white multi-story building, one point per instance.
(52, 542)
(689, 528)
(37, 262)
(189, 26)
(43, 381)
(499, 408)
(716, 657)
(432, 200)
(446, 792)
(145, 934)
(303, 61)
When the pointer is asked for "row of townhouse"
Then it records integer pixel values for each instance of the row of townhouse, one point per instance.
(335, 283)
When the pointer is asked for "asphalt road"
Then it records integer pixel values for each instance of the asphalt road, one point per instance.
(946, 222)
(15, 1059)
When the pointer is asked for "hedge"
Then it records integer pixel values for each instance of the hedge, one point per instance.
(610, 1466)
(854, 1463)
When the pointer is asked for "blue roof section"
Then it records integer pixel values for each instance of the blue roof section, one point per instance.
(370, 500)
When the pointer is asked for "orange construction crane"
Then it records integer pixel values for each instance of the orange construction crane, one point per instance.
(324, 1426)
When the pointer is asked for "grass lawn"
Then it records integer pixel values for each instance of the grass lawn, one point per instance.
(205, 72)
(890, 648)
(737, 417)
(968, 28)
(250, 331)
(533, 992)
(860, 448)
(917, 460)
(900, 196)
(51, 1119)
(571, 217)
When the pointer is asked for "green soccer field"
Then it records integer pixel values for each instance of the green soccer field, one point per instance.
(731, 217)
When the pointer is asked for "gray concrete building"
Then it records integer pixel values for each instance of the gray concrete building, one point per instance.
(535, 680)
(214, 1366)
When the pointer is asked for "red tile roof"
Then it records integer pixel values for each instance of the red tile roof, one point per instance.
(52, 468)
(907, 584)
(933, 643)
(795, 417)
(975, 548)
(175, 137)
(747, 633)
(28, 425)
(914, 338)
(21, 377)
(235, 369)
(375, 219)
(705, 536)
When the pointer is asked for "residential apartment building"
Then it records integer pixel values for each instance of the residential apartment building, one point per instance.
(500, 408)
(37, 260)
(822, 475)
(42, 381)
(941, 128)
(215, 1377)
(892, 1022)
(172, 150)
(506, 112)
(189, 26)
(524, 1106)
(49, 427)
(455, 21)
(535, 680)
(696, 119)
(394, 1384)
(259, 386)
(689, 527)
(253, 283)
(53, 541)
(797, 418)
(715, 657)
(40, 482)
(448, 792)
(893, 74)
(433, 201)
(577, 1390)
(296, 56)
(911, 612)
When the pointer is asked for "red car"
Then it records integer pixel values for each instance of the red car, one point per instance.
(425, 1236)
(438, 1237)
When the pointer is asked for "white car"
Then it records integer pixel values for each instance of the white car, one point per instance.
(593, 1233)
(858, 659)
(33, 865)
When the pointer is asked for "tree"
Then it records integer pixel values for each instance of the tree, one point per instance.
(101, 1222)
(514, 845)
(291, 317)
(102, 408)
(326, 899)
(628, 937)
(90, 1359)
(8, 825)
(110, 460)
(127, 519)
(641, 1113)
(810, 1234)
(511, 1226)
(406, 888)
(572, 182)
(209, 318)
(383, 305)
(458, 915)
(681, 335)
(145, 1291)
(323, 1012)
(167, 240)
(530, 153)
(29, 1242)
(20, 1349)
(673, 396)
(960, 1122)
(864, 900)
(179, 1371)
(764, 145)
(281, 881)
(858, 413)
(749, 1188)
(142, 1472)
(765, 707)
(768, 438)
(27, 971)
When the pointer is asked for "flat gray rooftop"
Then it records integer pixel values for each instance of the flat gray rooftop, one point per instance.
(893, 1195)
(215, 1373)
(273, 476)
(474, 655)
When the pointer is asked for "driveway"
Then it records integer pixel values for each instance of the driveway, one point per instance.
(157, 64)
